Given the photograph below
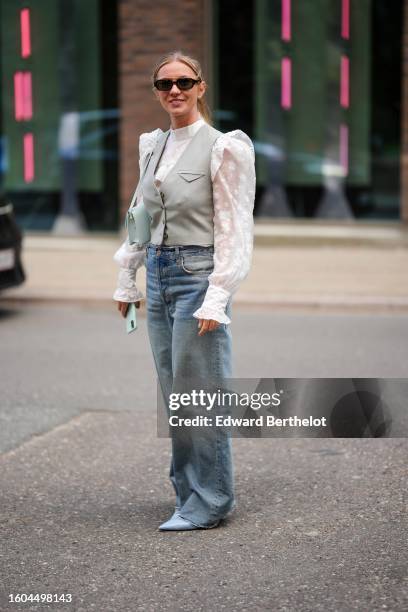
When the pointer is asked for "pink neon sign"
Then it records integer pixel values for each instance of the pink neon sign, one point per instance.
(345, 18)
(25, 33)
(23, 95)
(286, 85)
(343, 153)
(345, 82)
(285, 25)
(28, 148)
(23, 98)
(27, 96)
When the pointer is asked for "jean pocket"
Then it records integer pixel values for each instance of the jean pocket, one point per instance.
(197, 263)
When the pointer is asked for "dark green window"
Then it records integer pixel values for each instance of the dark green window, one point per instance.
(317, 86)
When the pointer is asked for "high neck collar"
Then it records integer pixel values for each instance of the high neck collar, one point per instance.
(188, 131)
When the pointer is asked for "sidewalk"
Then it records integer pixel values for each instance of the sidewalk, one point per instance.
(294, 265)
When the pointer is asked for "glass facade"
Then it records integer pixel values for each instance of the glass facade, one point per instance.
(58, 112)
(317, 86)
(315, 83)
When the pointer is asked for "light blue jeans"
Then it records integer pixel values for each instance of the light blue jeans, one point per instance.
(201, 468)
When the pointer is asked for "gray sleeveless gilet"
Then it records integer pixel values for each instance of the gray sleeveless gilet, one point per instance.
(182, 208)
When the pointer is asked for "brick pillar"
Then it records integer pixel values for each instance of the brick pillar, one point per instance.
(146, 31)
(404, 119)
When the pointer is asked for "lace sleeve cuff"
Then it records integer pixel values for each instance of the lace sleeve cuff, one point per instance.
(126, 290)
(214, 305)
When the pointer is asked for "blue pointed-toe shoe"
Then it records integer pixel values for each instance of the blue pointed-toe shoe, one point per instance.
(177, 523)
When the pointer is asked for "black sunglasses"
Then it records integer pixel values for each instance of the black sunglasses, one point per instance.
(183, 83)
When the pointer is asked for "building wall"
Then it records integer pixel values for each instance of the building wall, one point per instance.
(146, 32)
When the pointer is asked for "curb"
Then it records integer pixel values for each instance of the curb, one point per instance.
(387, 236)
(267, 233)
(278, 302)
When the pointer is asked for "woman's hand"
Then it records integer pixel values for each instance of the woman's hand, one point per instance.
(123, 306)
(206, 325)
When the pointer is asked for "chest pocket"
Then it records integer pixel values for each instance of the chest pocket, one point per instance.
(190, 176)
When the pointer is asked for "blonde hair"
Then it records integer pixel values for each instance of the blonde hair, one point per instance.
(179, 56)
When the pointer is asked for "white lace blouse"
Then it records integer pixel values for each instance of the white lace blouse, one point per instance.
(233, 179)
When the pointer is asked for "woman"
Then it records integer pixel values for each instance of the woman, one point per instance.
(198, 186)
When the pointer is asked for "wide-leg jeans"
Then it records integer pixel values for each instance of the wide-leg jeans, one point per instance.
(201, 467)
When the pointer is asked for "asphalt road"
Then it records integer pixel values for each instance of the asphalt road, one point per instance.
(84, 482)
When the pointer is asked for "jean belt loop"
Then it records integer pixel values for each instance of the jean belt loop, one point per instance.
(177, 251)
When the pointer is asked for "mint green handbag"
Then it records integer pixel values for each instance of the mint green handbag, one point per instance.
(137, 220)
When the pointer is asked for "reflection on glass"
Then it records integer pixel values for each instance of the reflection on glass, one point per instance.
(58, 114)
(317, 86)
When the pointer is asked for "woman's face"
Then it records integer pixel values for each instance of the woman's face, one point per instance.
(176, 102)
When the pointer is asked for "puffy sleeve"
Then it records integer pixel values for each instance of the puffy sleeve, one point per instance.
(130, 257)
(147, 142)
(234, 182)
